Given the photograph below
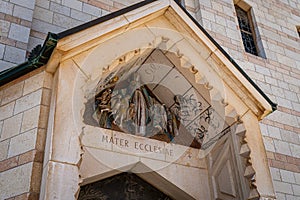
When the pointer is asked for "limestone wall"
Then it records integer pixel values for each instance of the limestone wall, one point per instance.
(24, 105)
(25, 23)
(278, 76)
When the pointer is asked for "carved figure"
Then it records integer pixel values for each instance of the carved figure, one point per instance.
(134, 109)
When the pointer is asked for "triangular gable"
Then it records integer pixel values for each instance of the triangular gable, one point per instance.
(91, 34)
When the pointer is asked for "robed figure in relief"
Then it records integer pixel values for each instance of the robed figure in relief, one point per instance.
(129, 106)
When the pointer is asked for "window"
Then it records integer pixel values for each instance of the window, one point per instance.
(247, 30)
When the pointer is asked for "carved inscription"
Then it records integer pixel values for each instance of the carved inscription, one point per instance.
(137, 146)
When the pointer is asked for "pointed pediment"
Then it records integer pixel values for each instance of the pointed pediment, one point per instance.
(164, 25)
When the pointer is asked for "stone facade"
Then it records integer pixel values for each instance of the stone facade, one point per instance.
(24, 113)
(25, 101)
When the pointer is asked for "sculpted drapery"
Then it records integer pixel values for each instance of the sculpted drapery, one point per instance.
(131, 107)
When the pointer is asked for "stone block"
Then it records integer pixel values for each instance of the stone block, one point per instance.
(295, 149)
(45, 27)
(291, 80)
(2, 47)
(64, 21)
(291, 95)
(271, 80)
(33, 83)
(22, 143)
(297, 177)
(264, 129)
(109, 159)
(46, 98)
(7, 110)
(60, 177)
(290, 136)
(296, 189)
(26, 3)
(284, 102)
(275, 173)
(12, 93)
(57, 1)
(14, 55)
(58, 8)
(19, 33)
(262, 70)
(280, 196)
(5, 25)
(37, 168)
(269, 144)
(287, 176)
(3, 149)
(15, 181)
(80, 15)
(6, 7)
(296, 106)
(28, 101)
(283, 187)
(11, 126)
(282, 147)
(43, 3)
(43, 119)
(30, 119)
(289, 119)
(1, 126)
(92, 10)
(208, 15)
(23, 13)
(75, 4)
(43, 14)
(274, 132)
(40, 141)
(5, 65)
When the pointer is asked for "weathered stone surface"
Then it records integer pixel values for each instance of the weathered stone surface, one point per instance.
(23, 13)
(11, 126)
(30, 119)
(22, 143)
(3, 149)
(33, 83)
(15, 181)
(60, 187)
(19, 33)
(7, 110)
(28, 101)
(12, 93)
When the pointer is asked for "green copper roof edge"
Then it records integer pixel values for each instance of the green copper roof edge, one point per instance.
(40, 60)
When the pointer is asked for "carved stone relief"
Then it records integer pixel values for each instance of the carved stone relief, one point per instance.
(148, 96)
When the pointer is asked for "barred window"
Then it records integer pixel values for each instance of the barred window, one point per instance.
(247, 30)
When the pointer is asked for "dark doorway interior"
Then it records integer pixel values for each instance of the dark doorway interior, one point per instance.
(124, 186)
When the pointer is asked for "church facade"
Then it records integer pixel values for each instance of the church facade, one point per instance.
(149, 99)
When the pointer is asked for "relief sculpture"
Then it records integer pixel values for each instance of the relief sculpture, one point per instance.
(135, 109)
(124, 102)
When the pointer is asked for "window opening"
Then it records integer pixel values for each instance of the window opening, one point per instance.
(247, 30)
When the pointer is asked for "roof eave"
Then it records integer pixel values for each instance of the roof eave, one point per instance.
(40, 60)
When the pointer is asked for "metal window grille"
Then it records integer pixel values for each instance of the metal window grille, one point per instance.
(247, 31)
